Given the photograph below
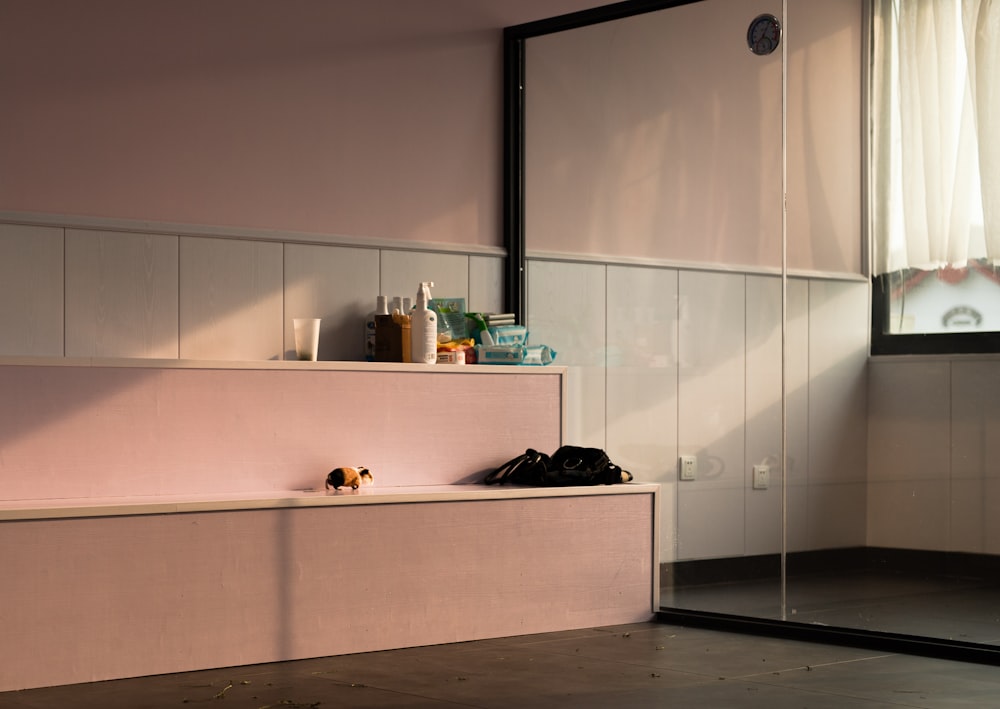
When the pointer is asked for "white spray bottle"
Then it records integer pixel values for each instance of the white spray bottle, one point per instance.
(423, 328)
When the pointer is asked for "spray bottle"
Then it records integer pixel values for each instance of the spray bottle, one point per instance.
(423, 328)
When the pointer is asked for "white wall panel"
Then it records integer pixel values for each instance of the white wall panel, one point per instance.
(402, 272)
(989, 503)
(121, 294)
(797, 421)
(975, 450)
(838, 356)
(908, 454)
(230, 299)
(763, 413)
(486, 284)
(335, 283)
(642, 381)
(567, 311)
(712, 406)
(909, 514)
(907, 404)
(975, 419)
(835, 515)
(31, 290)
(710, 523)
(642, 370)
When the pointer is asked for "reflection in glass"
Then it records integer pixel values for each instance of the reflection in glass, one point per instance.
(692, 231)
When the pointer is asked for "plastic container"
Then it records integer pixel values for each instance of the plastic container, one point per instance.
(423, 328)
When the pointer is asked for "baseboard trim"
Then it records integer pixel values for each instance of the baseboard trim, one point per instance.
(747, 568)
(943, 649)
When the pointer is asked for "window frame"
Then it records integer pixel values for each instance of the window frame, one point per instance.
(947, 343)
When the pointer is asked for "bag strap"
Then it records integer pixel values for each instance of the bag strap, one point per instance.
(509, 471)
(497, 476)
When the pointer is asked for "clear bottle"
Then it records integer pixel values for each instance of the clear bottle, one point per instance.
(423, 328)
(381, 308)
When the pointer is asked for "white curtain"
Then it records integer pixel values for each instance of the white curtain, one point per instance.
(935, 121)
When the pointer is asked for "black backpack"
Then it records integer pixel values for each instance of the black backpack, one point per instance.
(570, 465)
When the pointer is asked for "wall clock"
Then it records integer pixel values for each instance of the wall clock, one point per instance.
(764, 34)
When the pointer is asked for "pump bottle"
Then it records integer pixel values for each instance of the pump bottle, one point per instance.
(423, 328)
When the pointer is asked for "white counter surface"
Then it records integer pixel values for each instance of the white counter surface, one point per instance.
(280, 499)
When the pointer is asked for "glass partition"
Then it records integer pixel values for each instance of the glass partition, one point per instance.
(686, 226)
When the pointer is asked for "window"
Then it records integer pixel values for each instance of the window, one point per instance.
(935, 175)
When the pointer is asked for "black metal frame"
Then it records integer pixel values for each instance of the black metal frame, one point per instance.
(883, 343)
(940, 648)
(515, 283)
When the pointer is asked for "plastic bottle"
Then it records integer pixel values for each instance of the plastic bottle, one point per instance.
(423, 328)
(381, 308)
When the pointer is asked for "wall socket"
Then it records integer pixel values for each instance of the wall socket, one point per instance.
(761, 477)
(689, 467)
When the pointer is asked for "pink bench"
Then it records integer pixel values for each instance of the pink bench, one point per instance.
(155, 517)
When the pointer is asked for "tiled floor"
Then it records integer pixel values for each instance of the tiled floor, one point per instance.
(640, 665)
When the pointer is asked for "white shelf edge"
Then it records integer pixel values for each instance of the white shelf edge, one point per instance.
(283, 365)
(23, 510)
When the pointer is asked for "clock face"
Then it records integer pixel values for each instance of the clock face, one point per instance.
(764, 34)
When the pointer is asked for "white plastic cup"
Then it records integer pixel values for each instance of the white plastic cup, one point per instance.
(306, 338)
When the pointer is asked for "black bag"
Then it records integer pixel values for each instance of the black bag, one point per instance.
(526, 469)
(570, 465)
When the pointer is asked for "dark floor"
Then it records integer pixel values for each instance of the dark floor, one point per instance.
(949, 607)
(640, 665)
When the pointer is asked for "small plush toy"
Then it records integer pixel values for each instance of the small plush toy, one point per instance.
(349, 477)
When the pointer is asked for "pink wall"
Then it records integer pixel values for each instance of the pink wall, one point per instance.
(376, 119)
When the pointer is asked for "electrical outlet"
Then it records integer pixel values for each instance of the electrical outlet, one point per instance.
(689, 467)
(761, 477)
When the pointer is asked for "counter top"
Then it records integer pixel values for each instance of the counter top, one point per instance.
(288, 365)
(282, 499)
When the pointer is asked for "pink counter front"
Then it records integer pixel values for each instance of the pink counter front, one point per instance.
(147, 578)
